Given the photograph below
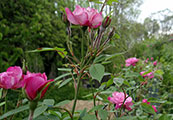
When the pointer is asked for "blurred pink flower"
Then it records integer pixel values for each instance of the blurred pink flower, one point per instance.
(154, 108)
(152, 58)
(155, 63)
(146, 61)
(84, 17)
(149, 75)
(145, 101)
(118, 99)
(131, 61)
(35, 83)
(11, 79)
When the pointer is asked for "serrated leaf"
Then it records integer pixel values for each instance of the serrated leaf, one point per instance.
(48, 102)
(38, 111)
(97, 71)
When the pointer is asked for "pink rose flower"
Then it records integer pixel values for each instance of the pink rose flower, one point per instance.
(118, 99)
(152, 58)
(155, 63)
(131, 61)
(11, 79)
(149, 75)
(145, 101)
(84, 17)
(154, 108)
(34, 83)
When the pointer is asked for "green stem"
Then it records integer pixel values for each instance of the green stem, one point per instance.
(76, 93)
(5, 104)
(82, 46)
(31, 114)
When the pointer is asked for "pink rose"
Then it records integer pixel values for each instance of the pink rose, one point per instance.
(118, 99)
(34, 83)
(145, 101)
(154, 108)
(131, 61)
(84, 17)
(155, 63)
(152, 58)
(11, 79)
(149, 75)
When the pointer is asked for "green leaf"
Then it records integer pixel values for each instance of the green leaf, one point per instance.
(62, 103)
(103, 114)
(118, 81)
(61, 76)
(65, 82)
(108, 57)
(127, 118)
(109, 82)
(1, 92)
(2, 103)
(160, 72)
(148, 108)
(97, 71)
(89, 117)
(109, 2)
(61, 51)
(165, 117)
(83, 114)
(48, 102)
(65, 69)
(38, 111)
(99, 59)
(1, 35)
(56, 113)
(9, 113)
(98, 107)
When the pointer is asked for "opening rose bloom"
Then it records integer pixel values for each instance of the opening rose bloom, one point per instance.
(149, 75)
(145, 101)
(131, 61)
(118, 99)
(84, 17)
(11, 79)
(34, 83)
